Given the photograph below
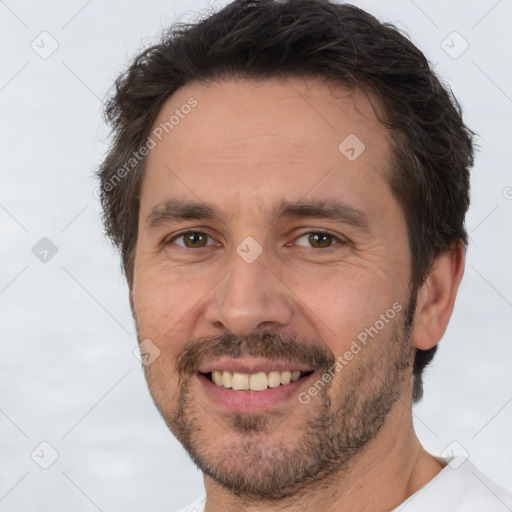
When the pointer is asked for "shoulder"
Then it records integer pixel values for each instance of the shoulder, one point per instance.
(197, 506)
(459, 487)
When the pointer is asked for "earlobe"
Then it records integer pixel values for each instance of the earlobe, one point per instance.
(436, 298)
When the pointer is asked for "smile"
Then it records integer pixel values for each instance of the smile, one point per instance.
(259, 381)
(251, 384)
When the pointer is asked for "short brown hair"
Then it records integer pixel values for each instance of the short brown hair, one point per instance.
(432, 149)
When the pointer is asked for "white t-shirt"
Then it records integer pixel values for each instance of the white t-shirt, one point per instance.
(458, 487)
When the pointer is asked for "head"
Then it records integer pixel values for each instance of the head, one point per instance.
(287, 184)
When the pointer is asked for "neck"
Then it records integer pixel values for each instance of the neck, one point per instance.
(392, 467)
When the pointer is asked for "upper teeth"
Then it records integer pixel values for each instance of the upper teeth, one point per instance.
(255, 381)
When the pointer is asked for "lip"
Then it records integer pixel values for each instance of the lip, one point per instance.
(252, 401)
(251, 365)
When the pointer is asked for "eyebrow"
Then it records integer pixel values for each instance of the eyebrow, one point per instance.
(174, 210)
(335, 210)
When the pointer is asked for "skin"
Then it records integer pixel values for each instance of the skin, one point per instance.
(245, 146)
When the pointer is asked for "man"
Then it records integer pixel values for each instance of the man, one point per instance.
(287, 185)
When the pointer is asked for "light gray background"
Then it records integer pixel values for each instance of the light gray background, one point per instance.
(67, 372)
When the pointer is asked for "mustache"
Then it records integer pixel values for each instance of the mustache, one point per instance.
(267, 344)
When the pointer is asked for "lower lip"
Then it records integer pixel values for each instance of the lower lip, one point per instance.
(252, 401)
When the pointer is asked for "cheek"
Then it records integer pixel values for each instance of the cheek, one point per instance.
(165, 304)
(158, 309)
(157, 304)
(342, 303)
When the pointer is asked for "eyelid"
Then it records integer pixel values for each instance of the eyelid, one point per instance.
(175, 236)
(338, 238)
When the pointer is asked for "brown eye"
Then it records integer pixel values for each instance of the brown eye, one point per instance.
(191, 240)
(320, 240)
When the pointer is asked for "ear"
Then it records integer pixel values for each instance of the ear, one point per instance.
(436, 298)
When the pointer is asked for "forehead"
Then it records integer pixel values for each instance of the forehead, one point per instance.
(283, 138)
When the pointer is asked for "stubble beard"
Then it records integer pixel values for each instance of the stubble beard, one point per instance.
(345, 416)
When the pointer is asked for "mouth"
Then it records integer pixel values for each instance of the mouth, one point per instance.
(259, 381)
(252, 384)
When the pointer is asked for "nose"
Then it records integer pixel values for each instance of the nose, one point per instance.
(251, 297)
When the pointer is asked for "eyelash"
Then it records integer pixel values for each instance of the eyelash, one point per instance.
(185, 233)
(323, 233)
(336, 240)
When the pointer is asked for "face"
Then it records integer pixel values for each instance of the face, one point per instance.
(272, 272)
